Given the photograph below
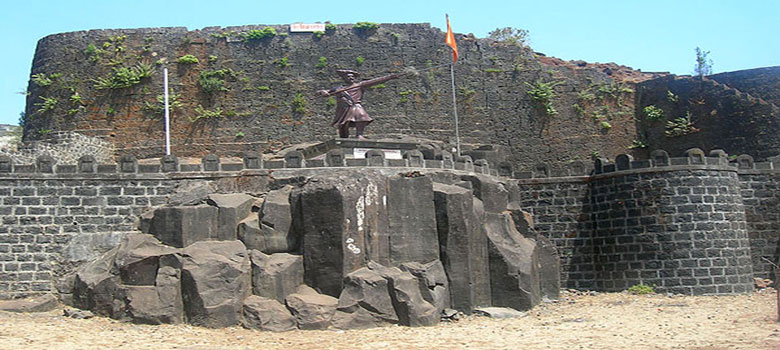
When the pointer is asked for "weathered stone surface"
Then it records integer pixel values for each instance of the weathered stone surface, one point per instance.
(191, 192)
(463, 246)
(310, 309)
(412, 220)
(524, 222)
(41, 303)
(493, 195)
(365, 301)
(271, 231)
(158, 304)
(138, 259)
(410, 307)
(432, 280)
(277, 275)
(216, 278)
(514, 275)
(95, 285)
(184, 225)
(344, 222)
(89, 246)
(267, 315)
(231, 209)
(549, 268)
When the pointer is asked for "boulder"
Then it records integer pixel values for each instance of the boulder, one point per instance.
(215, 280)
(408, 303)
(277, 275)
(412, 220)
(39, 303)
(365, 301)
(95, 285)
(138, 259)
(463, 246)
(267, 315)
(231, 209)
(432, 282)
(310, 309)
(184, 225)
(344, 223)
(514, 275)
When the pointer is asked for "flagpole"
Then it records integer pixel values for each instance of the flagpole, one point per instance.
(167, 113)
(455, 107)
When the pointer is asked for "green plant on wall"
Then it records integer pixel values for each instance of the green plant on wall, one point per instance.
(366, 27)
(124, 77)
(260, 34)
(298, 104)
(158, 107)
(206, 114)
(322, 62)
(330, 102)
(680, 126)
(653, 113)
(283, 62)
(605, 125)
(637, 144)
(41, 79)
(543, 94)
(187, 59)
(359, 60)
(330, 28)
(48, 104)
(671, 97)
(213, 81)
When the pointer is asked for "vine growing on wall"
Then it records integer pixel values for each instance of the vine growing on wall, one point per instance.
(543, 94)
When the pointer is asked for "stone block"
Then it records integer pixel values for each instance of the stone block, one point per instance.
(411, 219)
(216, 277)
(231, 209)
(181, 226)
(276, 276)
(267, 315)
(310, 309)
(514, 262)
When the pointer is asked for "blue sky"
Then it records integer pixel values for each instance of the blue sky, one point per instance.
(657, 35)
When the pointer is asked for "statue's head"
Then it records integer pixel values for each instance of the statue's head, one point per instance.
(349, 76)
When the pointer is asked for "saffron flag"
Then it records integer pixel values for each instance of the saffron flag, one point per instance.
(450, 40)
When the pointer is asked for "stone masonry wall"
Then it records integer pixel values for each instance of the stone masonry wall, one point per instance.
(761, 197)
(267, 98)
(560, 208)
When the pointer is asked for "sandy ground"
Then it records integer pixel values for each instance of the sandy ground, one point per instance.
(603, 321)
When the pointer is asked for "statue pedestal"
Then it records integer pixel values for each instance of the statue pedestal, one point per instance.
(357, 148)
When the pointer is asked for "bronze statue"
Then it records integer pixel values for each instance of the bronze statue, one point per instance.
(349, 111)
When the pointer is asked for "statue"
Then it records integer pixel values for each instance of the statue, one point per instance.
(349, 111)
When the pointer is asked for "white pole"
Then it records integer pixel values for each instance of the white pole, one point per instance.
(455, 107)
(167, 114)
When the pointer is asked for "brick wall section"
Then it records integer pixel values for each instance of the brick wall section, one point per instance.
(683, 231)
(41, 214)
(761, 197)
(560, 207)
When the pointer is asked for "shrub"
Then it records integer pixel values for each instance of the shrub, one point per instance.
(543, 93)
(187, 59)
(283, 62)
(641, 289)
(511, 36)
(653, 113)
(298, 104)
(41, 80)
(359, 60)
(257, 34)
(322, 62)
(124, 77)
(365, 27)
(605, 125)
(205, 114)
(330, 28)
(680, 126)
(212, 81)
(48, 104)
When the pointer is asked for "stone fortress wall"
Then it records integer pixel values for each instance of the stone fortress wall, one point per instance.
(695, 225)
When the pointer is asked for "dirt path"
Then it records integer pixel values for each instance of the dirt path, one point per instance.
(603, 321)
